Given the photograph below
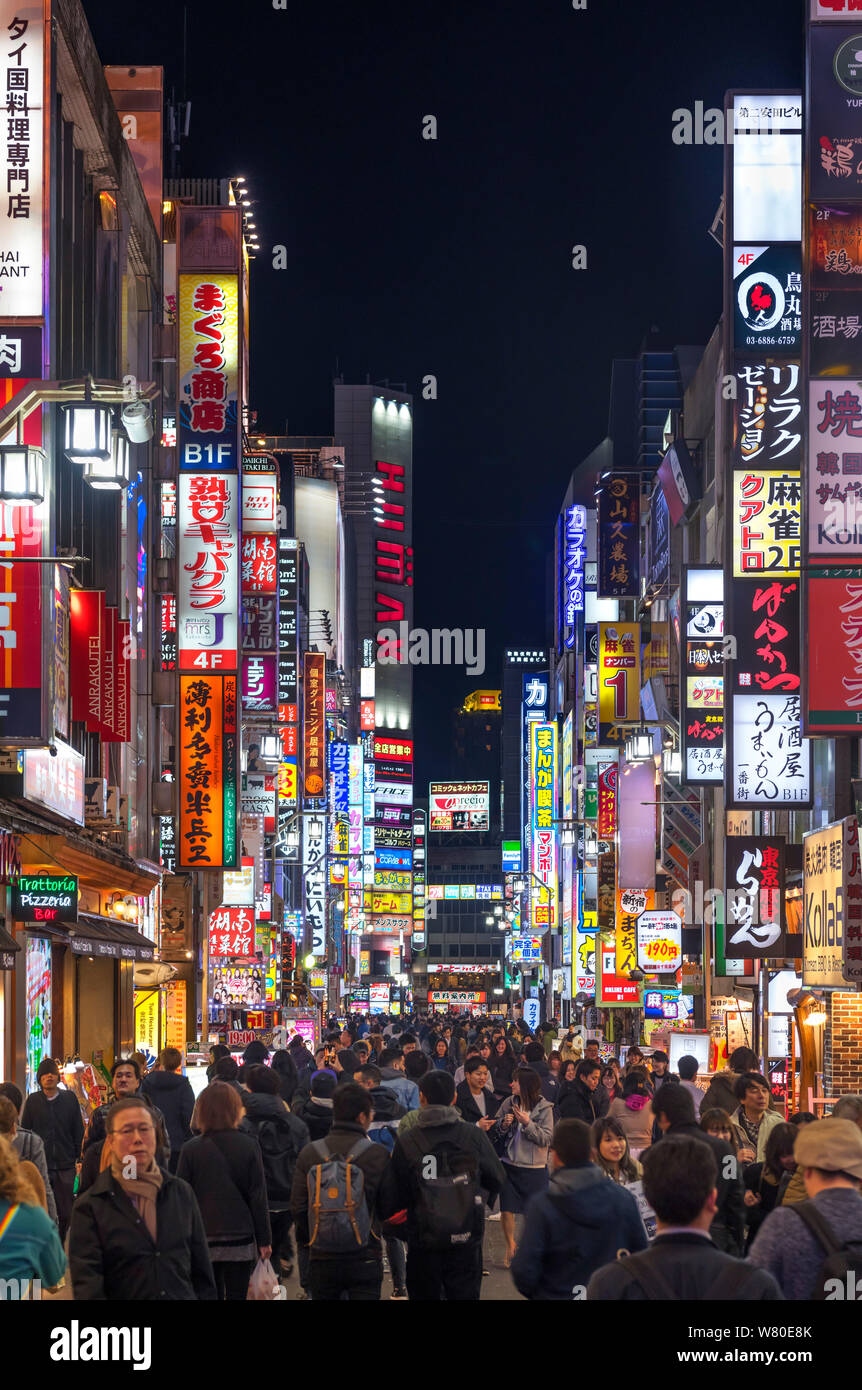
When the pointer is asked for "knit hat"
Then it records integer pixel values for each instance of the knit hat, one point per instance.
(323, 1083)
(833, 1145)
(46, 1067)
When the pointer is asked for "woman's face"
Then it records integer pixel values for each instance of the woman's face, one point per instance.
(485, 1050)
(441, 1048)
(788, 1163)
(501, 1046)
(609, 1080)
(569, 1071)
(554, 1065)
(636, 1058)
(721, 1132)
(516, 1086)
(612, 1147)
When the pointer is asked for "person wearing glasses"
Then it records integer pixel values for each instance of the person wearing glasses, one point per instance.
(137, 1234)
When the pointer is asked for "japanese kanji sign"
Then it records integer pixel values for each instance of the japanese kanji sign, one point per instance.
(834, 654)
(314, 666)
(619, 669)
(208, 370)
(834, 147)
(543, 829)
(618, 538)
(754, 897)
(767, 417)
(207, 781)
(208, 571)
(767, 525)
(767, 290)
(231, 932)
(834, 486)
(21, 152)
(573, 556)
(259, 564)
(771, 764)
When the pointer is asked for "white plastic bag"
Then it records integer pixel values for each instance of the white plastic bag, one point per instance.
(263, 1286)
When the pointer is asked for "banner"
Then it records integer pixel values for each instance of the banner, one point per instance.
(207, 776)
(314, 683)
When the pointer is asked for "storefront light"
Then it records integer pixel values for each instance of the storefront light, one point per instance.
(87, 431)
(269, 747)
(22, 474)
(816, 1018)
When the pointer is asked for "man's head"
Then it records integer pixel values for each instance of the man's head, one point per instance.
(408, 1043)
(679, 1178)
(351, 1105)
(11, 1092)
(368, 1076)
(348, 1060)
(533, 1052)
(591, 1051)
(415, 1065)
(132, 1134)
(362, 1051)
(742, 1059)
(476, 1072)
(253, 752)
(170, 1059)
(346, 1037)
(226, 1069)
(589, 1072)
(323, 1085)
(848, 1108)
(125, 1077)
(753, 1093)
(48, 1076)
(8, 1118)
(571, 1144)
(262, 1081)
(687, 1068)
(672, 1105)
(436, 1088)
(829, 1152)
(391, 1057)
(660, 1062)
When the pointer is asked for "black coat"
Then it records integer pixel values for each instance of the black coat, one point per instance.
(691, 1265)
(467, 1107)
(502, 1071)
(97, 1129)
(728, 1228)
(575, 1101)
(172, 1093)
(225, 1171)
(317, 1117)
(280, 1136)
(111, 1254)
(59, 1124)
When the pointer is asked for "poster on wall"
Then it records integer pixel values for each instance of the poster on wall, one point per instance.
(38, 1019)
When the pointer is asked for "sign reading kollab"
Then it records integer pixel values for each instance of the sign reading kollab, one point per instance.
(45, 898)
(832, 880)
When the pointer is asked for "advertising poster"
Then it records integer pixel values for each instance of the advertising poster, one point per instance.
(618, 538)
(38, 1015)
(619, 679)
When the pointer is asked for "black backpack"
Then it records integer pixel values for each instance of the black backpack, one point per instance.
(448, 1208)
(279, 1153)
(840, 1257)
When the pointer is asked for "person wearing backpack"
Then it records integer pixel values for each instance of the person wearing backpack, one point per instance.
(442, 1172)
(334, 1198)
(679, 1182)
(809, 1244)
(281, 1136)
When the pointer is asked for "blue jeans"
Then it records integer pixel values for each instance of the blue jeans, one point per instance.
(396, 1253)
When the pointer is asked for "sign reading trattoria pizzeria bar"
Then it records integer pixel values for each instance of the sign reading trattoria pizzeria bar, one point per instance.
(45, 898)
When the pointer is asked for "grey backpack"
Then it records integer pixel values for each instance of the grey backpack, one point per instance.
(339, 1221)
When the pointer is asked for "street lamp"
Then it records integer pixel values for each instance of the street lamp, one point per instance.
(309, 962)
(87, 430)
(114, 473)
(22, 474)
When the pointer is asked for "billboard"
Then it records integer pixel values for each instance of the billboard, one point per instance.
(618, 537)
(314, 887)
(208, 372)
(544, 780)
(208, 597)
(231, 932)
(207, 774)
(619, 678)
(314, 733)
(459, 805)
(832, 884)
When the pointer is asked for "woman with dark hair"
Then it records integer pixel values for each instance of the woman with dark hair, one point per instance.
(288, 1077)
(525, 1123)
(224, 1169)
(502, 1068)
(377, 1045)
(632, 1110)
(634, 1058)
(717, 1122)
(555, 1063)
(763, 1181)
(612, 1151)
(217, 1051)
(440, 1060)
(611, 1084)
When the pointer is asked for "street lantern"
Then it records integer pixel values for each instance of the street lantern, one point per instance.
(672, 762)
(315, 829)
(111, 474)
(22, 474)
(309, 962)
(87, 431)
(269, 747)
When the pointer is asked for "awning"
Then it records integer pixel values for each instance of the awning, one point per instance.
(99, 936)
(8, 947)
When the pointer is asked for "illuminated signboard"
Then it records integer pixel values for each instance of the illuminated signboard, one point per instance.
(659, 942)
(45, 898)
(259, 500)
(56, 782)
(619, 678)
(207, 780)
(767, 295)
(834, 477)
(314, 887)
(631, 902)
(526, 948)
(573, 558)
(391, 746)
(834, 653)
(832, 930)
(771, 761)
(208, 369)
(702, 659)
(231, 932)
(618, 537)
(259, 684)
(767, 522)
(315, 728)
(459, 805)
(543, 813)
(208, 572)
(21, 141)
(754, 881)
(260, 564)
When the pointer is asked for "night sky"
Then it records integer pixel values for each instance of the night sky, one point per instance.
(408, 257)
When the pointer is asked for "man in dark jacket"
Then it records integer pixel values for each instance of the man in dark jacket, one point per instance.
(281, 1137)
(171, 1093)
(358, 1274)
(315, 1110)
(126, 1082)
(673, 1108)
(55, 1116)
(584, 1098)
(679, 1180)
(577, 1226)
(474, 1099)
(534, 1056)
(440, 1141)
(141, 1237)
(387, 1111)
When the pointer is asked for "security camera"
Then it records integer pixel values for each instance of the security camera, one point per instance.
(52, 749)
(137, 421)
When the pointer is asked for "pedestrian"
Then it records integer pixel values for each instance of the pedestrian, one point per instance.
(393, 1078)
(633, 1110)
(255, 1054)
(570, 1048)
(660, 1074)
(525, 1123)
(718, 1124)
(795, 1241)
(387, 1112)
(340, 1232)
(762, 1181)
(288, 1077)
(791, 1189)
(30, 1247)
(474, 1099)
(281, 1137)
(721, 1092)
(673, 1109)
(55, 1116)
(171, 1093)
(679, 1180)
(688, 1067)
(635, 1060)
(316, 1111)
(137, 1234)
(592, 1050)
(28, 1146)
(577, 1226)
(502, 1068)
(346, 1064)
(584, 1098)
(442, 1172)
(612, 1154)
(753, 1118)
(441, 1060)
(224, 1169)
(227, 1070)
(848, 1108)
(96, 1152)
(555, 1063)
(534, 1056)
(217, 1051)
(609, 1080)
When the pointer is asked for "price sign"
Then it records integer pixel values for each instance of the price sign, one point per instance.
(659, 942)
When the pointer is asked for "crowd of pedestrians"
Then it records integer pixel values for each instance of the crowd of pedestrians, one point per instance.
(396, 1140)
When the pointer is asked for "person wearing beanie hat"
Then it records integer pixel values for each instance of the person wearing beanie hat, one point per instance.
(55, 1116)
(794, 1241)
(346, 1064)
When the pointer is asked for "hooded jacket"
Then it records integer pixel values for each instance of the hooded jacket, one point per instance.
(172, 1094)
(635, 1117)
(281, 1136)
(571, 1230)
(405, 1091)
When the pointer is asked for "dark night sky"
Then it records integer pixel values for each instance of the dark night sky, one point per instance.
(408, 257)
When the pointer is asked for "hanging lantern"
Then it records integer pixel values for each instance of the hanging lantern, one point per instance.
(87, 431)
(111, 474)
(22, 474)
